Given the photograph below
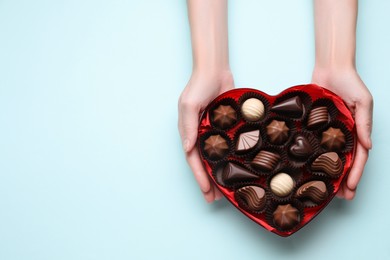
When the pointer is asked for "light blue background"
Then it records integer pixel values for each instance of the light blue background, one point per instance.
(91, 165)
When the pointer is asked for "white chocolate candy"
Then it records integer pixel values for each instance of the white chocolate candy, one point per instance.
(252, 109)
(282, 184)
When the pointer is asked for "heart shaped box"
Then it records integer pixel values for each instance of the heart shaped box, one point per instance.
(279, 178)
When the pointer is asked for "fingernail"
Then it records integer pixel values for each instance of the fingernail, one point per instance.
(186, 145)
(369, 143)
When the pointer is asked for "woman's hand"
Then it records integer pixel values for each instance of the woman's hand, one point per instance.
(348, 85)
(202, 88)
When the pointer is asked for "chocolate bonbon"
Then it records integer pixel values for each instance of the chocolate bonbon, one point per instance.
(216, 146)
(318, 116)
(314, 191)
(301, 148)
(224, 116)
(292, 106)
(253, 197)
(266, 160)
(329, 163)
(247, 140)
(276, 159)
(286, 216)
(234, 173)
(277, 132)
(333, 139)
(252, 109)
(282, 184)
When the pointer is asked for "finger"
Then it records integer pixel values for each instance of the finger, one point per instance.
(218, 195)
(209, 196)
(358, 166)
(340, 193)
(347, 193)
(196, 166)
(363, 119)
(188, 124)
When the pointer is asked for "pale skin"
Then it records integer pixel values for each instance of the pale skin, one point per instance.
(335, 42)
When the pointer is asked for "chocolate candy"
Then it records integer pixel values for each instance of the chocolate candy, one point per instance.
(216, 147)
(279, 159)
(286, 216)
(282, 184)
(292, 107)
(252, 109)
(224, 116)
(247, 140)
(329, 163)
(234, 173)
(253, 197)
(318, 116)
(314, 191)
(301, 148)
(266, 160)
(277, 132)
(333, 139)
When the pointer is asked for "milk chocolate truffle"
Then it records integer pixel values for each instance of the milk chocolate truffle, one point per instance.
(216, 147)
(301, 148)
(224, 116)
(282, 184)
(277, 132)
(329, 163)
(318, 116)
(286, 216)
(266, 160)
(233, 173)
(253, 197)
(314, 191)
(247, 140)
(252, 109)
(292, 107)
(333, 139)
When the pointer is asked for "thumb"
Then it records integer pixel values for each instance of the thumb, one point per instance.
(363, 118)
(188, 125)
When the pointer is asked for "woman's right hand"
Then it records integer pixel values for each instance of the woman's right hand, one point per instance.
(201, 89)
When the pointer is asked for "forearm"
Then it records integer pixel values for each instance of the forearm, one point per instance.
(335, 34)
(209, 34)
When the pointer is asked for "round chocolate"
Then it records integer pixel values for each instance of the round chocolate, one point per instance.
(282, 184)
(224, 116)
(286, 216)
(277, 132)
(216, 147)
(333, 139)
(252, 109)
(318, 116)
(266, 160)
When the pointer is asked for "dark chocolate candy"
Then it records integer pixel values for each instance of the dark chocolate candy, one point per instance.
(266, 160)
(277, 132)
(216, 147)
(292, 107)
(233, 173)
(329, 163)
(247, 140)
(286, 216)
(314, 191)
(253, 197)
(301, 148)
(333, 139)
(224, 116)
